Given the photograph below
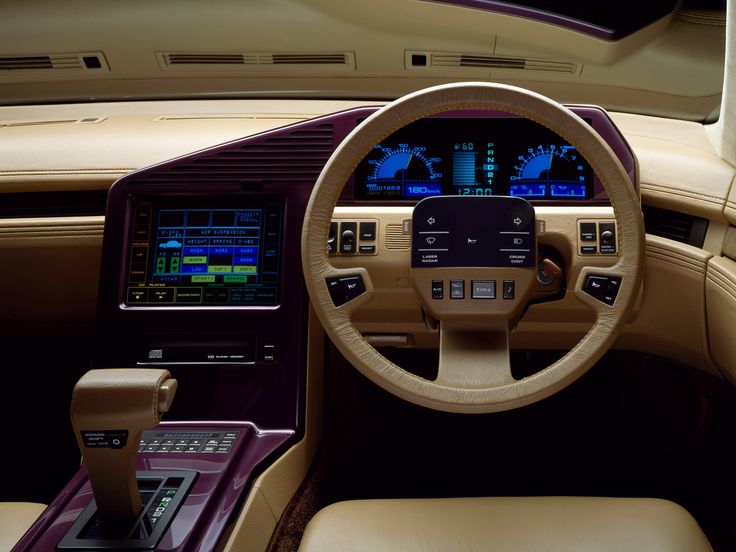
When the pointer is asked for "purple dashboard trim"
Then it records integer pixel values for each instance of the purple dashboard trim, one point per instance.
(211, 504)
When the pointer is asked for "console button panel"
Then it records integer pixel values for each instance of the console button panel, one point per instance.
(353, 237)
(187, 442)
(597, 237)
(345, 288)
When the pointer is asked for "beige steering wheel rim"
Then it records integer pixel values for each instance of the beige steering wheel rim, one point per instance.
(468, 397)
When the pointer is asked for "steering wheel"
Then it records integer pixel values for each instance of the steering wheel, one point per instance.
(474, 368)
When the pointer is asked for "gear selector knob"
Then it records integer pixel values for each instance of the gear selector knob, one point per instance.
(110, 409)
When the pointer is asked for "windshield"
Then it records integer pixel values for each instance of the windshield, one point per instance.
(661, 57)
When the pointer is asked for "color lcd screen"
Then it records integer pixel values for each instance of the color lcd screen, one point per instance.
(198, 252)
(474, 157)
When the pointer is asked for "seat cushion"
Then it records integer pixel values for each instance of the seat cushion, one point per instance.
(15, 519)
(505, 524)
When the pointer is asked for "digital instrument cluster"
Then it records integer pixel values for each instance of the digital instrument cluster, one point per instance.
(474, 157)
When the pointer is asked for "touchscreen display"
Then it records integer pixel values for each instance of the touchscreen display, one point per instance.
(474, 157)
(189, 251)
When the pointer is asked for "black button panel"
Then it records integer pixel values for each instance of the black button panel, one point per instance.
(438, 289)
(345, 288)
(597, 237)
(351, 237)
(187, 442)
(604, 288)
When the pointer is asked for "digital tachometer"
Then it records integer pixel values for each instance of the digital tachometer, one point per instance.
(549, 171)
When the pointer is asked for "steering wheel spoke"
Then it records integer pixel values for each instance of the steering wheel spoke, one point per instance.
(348, 288)
(474, 355)
(599, 287)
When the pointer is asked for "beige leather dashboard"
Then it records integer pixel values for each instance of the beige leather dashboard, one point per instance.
(686, 310)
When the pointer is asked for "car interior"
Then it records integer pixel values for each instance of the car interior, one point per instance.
(396, 275)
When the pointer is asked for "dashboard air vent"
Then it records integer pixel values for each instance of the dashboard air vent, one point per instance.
(254, 61)
(51, 62)
(286, 157)
(397, 238)
(675, 226)
(459, 61)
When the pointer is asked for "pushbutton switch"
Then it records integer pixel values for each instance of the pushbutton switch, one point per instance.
(457, 289)
(484, 289)
(332, 239)
(509, 289)
(367, 231)
(438, 289)
(588, 231)
(345, 288)
(347, 238)
(607, 231)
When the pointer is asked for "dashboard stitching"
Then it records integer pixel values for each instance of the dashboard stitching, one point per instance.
(678, 191)
(696, 269)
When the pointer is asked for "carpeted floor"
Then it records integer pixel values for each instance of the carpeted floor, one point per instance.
(634, 426)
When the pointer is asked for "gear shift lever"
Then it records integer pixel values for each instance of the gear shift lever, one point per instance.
(110, 408)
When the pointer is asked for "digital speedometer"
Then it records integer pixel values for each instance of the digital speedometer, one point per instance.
(403, 171)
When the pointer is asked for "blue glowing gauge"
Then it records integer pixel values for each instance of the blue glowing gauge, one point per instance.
(403, 171)
(549, 170)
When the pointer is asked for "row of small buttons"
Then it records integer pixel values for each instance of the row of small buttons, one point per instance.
(480, 289)
(202, 446)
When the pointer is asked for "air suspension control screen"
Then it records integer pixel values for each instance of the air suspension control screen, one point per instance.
(198, 251)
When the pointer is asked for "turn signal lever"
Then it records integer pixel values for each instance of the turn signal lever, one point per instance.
(110, 408)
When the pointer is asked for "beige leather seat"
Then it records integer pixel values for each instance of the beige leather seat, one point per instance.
(15, 519)
(505, 524)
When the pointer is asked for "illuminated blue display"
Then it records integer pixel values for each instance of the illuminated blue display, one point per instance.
(567, 190)
(423, 190)
(527, 190)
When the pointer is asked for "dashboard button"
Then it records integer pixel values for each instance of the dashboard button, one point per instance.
(588, 250)
(367, 231)
(607, 232)
(484, 289)
(438, 289)
(457, 289)
(332, 239)
(603, 288)
(588, 231)
(347, 237)
(509, 289)
(367, 249)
